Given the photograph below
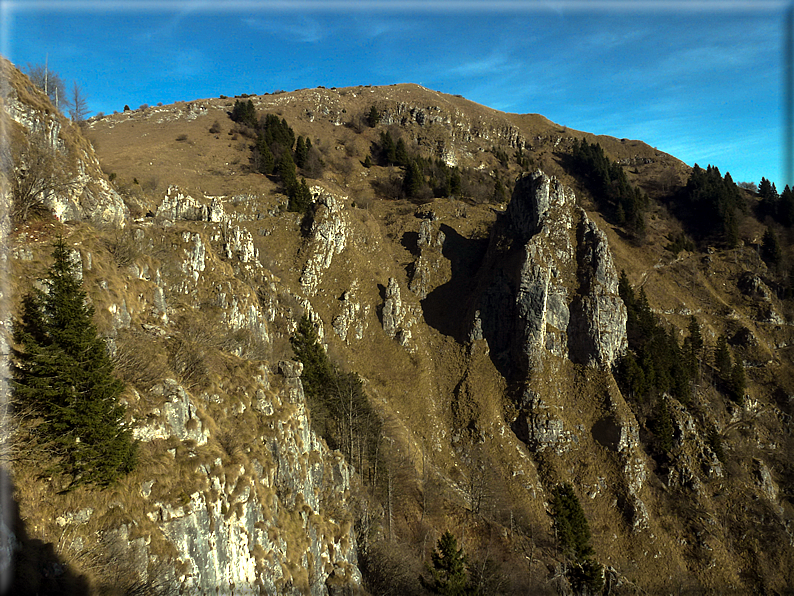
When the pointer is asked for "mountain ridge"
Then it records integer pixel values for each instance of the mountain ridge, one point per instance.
(211, 273)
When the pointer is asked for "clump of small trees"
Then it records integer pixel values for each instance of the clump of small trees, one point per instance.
(277, 152)
(423, 178)
(622, 202)
(339, 407)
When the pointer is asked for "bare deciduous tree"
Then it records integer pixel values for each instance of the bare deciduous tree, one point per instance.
(50, 82)
(79, 107)
(39, 172)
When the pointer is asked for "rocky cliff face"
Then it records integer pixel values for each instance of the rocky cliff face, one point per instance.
(89, 195)
(548, 285)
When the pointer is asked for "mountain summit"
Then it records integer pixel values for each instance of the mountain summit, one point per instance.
(385, 340)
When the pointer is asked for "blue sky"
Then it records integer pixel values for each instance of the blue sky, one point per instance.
(702, 80)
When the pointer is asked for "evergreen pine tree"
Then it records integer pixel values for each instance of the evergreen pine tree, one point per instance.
(388, 149)
(738, 382)
(301, 152)
(317, 369)
(448, 572)
(663, 426)
(401, 157)
(573, 531)
(785, 208)
(722, 358)
(499, 195)
(288, 172)
(414, 180)
(373, 117)
(771, 252)
(63, 373)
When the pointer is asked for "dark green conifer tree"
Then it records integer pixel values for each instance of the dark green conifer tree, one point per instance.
(373, 117)
(449, 575)
(63, 373)
(388, 150)
(401, 157)
(499, 195)
(414, 179)
(785, 207)
(771, 252)
(301, 152)
(300, 197)
(317, 369)
(288, 172)
(738, 383)
(573, 534)
(722, 358)
(244, 112)
(663, 425)
(573, 531)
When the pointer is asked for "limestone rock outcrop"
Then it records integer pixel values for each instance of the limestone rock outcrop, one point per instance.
(328, 237)
(87, 194)
(548, 285)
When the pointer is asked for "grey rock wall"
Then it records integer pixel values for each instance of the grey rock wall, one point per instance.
(548, 285)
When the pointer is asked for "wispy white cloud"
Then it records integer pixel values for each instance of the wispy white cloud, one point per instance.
(611, 38)
(375, 25)
(303, 30)
(495, 64)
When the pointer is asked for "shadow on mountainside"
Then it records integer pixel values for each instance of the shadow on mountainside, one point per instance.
(445, 307)
(35, 567)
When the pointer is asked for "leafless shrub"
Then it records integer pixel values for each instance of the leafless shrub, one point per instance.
(389, 188)
(359, 123)
(122, 247)
(215, 128)
(182, 138)
(40, 171)
(189, 361)
(118, 566)
(392, 568)
(229, 440)
(139, 360)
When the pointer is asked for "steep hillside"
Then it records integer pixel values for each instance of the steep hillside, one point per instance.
(483, 311)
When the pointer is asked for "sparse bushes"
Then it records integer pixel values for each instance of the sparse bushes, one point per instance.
(122, 247)
(139, 360)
